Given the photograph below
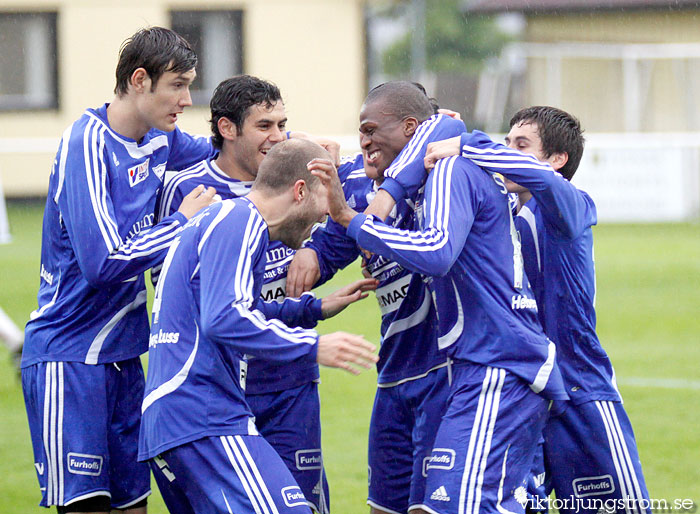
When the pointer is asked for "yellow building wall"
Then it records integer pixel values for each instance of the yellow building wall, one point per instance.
(312, 49)
(592, 88)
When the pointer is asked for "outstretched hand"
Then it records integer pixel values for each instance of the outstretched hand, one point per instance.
(337, 301)
(338, 208)
(439, 150)
(343, 350)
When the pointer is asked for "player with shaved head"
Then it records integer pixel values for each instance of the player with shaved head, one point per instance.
(199, 433)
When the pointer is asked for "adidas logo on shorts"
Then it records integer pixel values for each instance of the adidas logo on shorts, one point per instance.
(440, 494)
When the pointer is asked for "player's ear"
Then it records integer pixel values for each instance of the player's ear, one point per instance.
(140, 81)
(410, 125)
(558, 160)
(301, 191)
(227, 128)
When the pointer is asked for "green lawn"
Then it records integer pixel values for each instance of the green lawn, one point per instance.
(648, 319)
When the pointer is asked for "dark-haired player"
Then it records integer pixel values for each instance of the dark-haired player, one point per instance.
(247, 120)
(397, 121)
(81, 373)
(590, 453)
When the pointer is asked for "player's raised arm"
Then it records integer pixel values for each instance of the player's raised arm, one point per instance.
(431, 251)
(407, 173)
(440, 150)
(104, 256)
(565, 208)
(330, 248)
(339, 209)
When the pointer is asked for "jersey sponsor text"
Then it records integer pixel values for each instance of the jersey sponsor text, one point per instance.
(163, 338)
(84, 464)
(522, 301)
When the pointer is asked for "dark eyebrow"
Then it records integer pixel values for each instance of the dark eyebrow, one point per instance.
(267, 121)
(182, 76)
(520, 138)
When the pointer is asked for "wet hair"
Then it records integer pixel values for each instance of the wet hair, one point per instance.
(559, 132)
(433, 101)
(233, 98)
(403, 99)
(157, 50)
(286, 163)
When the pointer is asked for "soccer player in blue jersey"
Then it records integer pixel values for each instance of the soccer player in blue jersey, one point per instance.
(247, 119)
(504, 371)
(198, 431)
(412, 370)
(590, 453)
(81, 373)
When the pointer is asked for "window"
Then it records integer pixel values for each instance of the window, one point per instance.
(216, 36)
(28, 70)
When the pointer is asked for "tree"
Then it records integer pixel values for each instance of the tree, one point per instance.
(454, 42)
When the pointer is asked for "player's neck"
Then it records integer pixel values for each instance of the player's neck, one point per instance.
(123, 118)
(228, 165)
(273, 209)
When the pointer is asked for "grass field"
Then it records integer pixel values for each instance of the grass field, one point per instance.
(648, 319)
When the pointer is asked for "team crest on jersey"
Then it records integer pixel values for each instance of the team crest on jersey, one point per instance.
(293, 496)
(159, 171)
(138, 173)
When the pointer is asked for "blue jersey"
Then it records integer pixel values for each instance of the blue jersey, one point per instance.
(468, 248)
(557, 243)
(264, 376)
(99, 237)
(207, 317)
(409, 344)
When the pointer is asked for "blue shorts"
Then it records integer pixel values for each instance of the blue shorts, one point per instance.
(235, 473)
(405, 419)
(486, 442)
(84, 422)
(291, 422)
(591, 460)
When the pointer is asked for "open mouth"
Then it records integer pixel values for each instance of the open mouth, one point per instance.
(373, 156)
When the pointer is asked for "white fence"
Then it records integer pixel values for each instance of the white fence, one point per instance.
(642, 177)
(632, 177)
